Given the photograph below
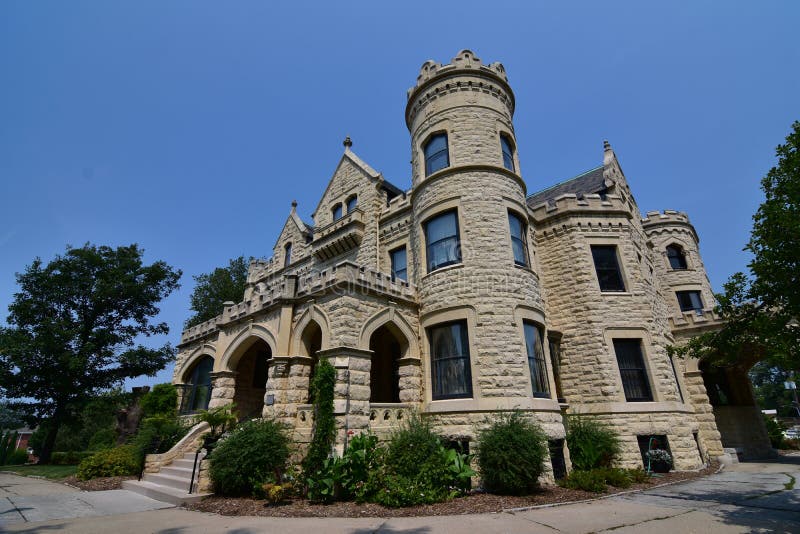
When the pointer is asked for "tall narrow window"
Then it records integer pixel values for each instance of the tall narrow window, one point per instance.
(437, 156)
(606, 265)
(536, 363)
(508, 152)
(555, 362)
(451, 376)
(690, 301)
(352, 203)
(677, 259)
(632, 370)
(442, 241)
(287, 256)
(519, 243)
(198, 392)
(399, 263)
(337, 212)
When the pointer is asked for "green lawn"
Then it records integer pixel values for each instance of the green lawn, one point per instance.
(47, 471)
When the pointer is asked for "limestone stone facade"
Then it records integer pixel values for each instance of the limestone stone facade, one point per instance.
(499, 301)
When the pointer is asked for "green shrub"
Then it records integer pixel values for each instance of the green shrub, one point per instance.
(220, 419)
(322, 384)
(417, 469)
(104, 438)
(8, 443)
(362, 456)
(17, 457)
(120, 461)
(638, 475)
(157, 435)
(511, 454)
(254, 453)
(591, 444)
(619, 478)
(775, 431)
(161, 400)
(69, 458)
(593, 480)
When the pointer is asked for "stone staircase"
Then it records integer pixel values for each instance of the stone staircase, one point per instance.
(171, 483)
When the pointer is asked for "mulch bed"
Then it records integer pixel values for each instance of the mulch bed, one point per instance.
(97, 484)
(475, 503)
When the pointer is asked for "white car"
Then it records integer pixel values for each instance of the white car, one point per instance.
(792, 433)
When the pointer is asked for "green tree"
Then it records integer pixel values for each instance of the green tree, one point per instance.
(762, 308)
(213, 289)
(74, 326)
(769, 390)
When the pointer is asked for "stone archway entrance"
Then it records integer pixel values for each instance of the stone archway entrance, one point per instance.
(736, 413)
(388, 345)
(251, 380)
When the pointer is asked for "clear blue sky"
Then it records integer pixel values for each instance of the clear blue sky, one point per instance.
(189, 126)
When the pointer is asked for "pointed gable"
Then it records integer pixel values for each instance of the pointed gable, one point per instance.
(351, 177)
(296, 232)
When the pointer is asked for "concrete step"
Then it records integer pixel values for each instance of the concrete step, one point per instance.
(190, 456)
(162, 493)
(177, 471)
(187, 464)
(733, 453)
(163, 479)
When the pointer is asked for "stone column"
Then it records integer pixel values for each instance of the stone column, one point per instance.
(223, 388)
(410, 371)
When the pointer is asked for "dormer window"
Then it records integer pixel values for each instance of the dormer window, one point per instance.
(677, 259)
(337, 212)
(352, 203)
(287, 256)
(508, 152)
(437, 156)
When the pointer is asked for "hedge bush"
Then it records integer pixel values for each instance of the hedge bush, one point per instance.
(254, 453)
(511, 454)
(157, 435)
(120, 461)
(417, 469)
(597, 480)
(17, 457)
(591, 443)
(161, 400)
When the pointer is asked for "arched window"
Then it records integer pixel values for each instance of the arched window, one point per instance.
(310, 345)
(337, 212)
(352, 203)
(387, 346)
(198, 390)
(677, 259)
(287, 257)
(508, 152)
(437, 156)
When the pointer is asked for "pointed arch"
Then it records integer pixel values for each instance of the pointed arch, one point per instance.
(395, 321)
(315, 314)
(207, 349)
(243, 340)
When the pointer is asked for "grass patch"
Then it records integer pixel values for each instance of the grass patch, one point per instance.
(53, 472)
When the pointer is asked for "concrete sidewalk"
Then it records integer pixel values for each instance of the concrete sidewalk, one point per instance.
(26, 500)
(751, 497)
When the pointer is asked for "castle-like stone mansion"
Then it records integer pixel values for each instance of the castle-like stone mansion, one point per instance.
(468, 294)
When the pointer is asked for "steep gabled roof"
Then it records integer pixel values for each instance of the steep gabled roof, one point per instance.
(590, 182)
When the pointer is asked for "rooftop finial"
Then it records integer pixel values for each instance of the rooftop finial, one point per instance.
(606, 145)
(347, 142)
(294, 205)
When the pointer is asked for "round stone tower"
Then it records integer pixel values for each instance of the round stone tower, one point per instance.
(480, 303)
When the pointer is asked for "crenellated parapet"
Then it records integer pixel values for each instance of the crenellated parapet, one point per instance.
(580, 207)
(465, 74)
(667, 221)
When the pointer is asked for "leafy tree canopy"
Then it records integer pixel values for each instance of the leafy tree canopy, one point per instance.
(762, 308)
(213, 289)
(74, 326)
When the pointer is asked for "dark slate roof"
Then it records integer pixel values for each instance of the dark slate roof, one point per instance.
(587, 183)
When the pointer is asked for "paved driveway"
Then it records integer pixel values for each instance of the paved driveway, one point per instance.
(752, 497)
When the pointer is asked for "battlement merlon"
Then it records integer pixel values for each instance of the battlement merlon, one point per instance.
(656, 221)
(465, 64)
(570, 204)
